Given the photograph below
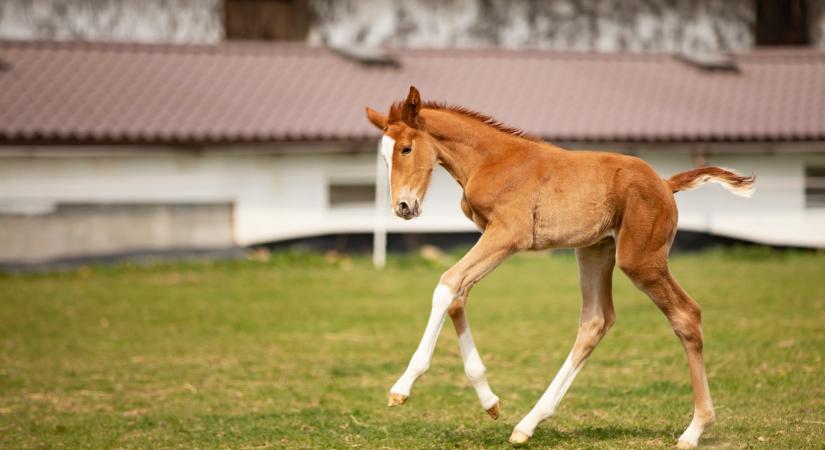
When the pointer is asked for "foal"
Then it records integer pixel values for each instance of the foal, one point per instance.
(525, 194)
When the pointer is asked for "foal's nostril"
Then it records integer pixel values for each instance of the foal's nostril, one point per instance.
(404, 207)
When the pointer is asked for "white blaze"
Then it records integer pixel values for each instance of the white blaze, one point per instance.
(387, 144)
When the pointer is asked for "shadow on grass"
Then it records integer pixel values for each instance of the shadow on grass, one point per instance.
(320, 428)
(444, 435)
(550, 436)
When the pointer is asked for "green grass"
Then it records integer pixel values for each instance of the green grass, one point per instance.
(299, 352)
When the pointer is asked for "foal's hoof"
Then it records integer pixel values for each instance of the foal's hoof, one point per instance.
(493, 412)
(518, 437)
(396, 399)
(685, 444)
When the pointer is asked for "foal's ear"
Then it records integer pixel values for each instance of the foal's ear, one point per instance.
(411, 107)
(376, 118)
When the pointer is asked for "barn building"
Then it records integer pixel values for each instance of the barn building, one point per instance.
(113, 148)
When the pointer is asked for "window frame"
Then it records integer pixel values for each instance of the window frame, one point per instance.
(814, 186)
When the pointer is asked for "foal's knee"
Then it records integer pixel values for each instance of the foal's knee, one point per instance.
(687, 324)
(591, 333)
(596, 327)
(594, 330)
(609, 320)
(443, 297)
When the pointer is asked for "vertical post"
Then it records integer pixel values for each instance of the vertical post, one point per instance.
(379, 237)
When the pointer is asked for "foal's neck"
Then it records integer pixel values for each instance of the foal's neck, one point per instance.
(466, 144)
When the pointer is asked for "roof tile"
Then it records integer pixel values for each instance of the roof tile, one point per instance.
(232, 92)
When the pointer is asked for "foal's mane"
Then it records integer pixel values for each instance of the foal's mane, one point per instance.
(471, 114)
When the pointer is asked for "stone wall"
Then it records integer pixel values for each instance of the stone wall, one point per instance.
(602, 25)
(180, 21)
(589, 25)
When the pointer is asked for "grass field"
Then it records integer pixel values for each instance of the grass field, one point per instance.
(299, 352)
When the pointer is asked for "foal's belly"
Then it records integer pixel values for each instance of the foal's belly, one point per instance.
(560, 234)
(573, 219)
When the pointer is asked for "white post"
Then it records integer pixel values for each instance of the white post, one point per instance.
(379, 238)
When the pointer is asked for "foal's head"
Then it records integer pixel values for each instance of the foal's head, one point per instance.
(410, 153)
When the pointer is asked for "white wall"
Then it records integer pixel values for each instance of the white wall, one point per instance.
(281, 196)
(275, 196)
(776, 213)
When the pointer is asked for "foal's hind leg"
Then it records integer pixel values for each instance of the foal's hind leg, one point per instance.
(597, 316)
(647, 267)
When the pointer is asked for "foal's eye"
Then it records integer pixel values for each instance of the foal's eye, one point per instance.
(406, 150)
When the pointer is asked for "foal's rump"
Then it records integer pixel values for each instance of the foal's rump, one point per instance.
(649, 215)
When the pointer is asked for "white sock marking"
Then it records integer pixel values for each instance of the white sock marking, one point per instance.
(551, 398)
(420, 361)
(387, 145)
(475, 369)
(693, 432)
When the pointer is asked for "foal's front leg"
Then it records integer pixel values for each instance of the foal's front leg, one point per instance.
(420, 361)
(473, 367)
(597, 316)
(489, 251)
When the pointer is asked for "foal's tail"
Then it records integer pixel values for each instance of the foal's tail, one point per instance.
(729, 179)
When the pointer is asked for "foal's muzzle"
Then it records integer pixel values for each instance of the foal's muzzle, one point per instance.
(408, 208)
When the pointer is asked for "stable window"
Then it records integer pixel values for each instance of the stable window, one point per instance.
(268, 20)
(782, 23)
(351, 194)
(815, 187)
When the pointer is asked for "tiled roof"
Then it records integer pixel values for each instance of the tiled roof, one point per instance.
(256, 92)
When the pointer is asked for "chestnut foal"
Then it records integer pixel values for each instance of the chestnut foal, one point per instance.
(525, 194)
